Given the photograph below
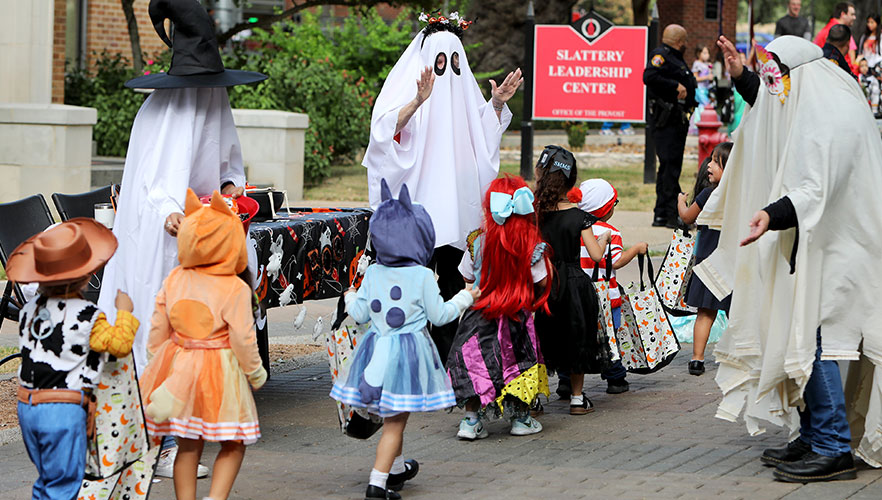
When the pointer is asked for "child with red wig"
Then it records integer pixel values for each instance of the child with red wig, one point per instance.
(599, 198)
(495, 362)
(570, 340)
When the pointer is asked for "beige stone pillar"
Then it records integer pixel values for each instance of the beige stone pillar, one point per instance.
(44, 147)
(26, 51)
(272, 148)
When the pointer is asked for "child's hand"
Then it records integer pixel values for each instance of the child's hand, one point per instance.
(473, 291)
(124, 302)
(642, 247)
(604, 238)
(682, 198)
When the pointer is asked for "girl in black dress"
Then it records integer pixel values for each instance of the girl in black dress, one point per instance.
(697, 295)
(568, 336)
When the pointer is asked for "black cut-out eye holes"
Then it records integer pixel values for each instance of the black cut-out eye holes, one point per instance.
(454, 63)
(440, 63)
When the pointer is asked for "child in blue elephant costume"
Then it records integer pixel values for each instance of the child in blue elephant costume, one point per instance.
(396, 368)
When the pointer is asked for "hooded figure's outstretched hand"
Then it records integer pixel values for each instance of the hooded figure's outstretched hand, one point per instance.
(730, 54)
(503, 92)
(759, 224)
(425, 84)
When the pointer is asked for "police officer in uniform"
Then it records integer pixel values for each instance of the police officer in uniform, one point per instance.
(670, 86)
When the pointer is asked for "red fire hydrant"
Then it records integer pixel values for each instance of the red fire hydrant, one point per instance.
(708, 133)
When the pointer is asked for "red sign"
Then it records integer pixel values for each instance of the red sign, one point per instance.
(589, 71)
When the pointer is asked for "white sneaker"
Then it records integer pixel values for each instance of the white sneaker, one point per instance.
(165, 465)
(472, 432)
(606, 131)
(525, 428)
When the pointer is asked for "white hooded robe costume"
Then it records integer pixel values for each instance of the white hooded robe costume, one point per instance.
(181, 138)
(820, 148)
(448, 151)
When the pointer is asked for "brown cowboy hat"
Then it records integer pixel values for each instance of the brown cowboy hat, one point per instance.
(67, 252)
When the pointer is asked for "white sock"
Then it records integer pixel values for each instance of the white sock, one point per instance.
(398, 465)
(378, 478)
(472, 416)
(576, 400)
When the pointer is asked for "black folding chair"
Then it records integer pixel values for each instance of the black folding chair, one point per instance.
(20, 220)
(70, 206)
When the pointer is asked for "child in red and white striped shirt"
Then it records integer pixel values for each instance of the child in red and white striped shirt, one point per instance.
(599, 198)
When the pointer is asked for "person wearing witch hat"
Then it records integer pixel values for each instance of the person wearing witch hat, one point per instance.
(63, 339)
(183, 137)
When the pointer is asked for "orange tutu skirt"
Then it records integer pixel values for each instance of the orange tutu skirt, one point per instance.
(198, 393)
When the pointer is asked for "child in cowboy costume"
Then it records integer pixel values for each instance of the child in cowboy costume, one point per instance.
(63, 338)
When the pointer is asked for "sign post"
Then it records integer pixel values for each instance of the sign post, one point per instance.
(590, 70)
(526, 118)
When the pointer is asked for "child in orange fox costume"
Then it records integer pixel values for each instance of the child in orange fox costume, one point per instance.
(204, 349)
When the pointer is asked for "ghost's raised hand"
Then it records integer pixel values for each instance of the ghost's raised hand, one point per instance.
(504, 91)
(425, 84)
(730, 54)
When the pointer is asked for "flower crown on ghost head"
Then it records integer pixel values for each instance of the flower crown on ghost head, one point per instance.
(437, 22)
(774, 74)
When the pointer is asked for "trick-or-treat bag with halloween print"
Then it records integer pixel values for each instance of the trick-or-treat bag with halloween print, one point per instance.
(341, 341)
(604, 316)
(646, 339)
(121, 457)
(674, 273)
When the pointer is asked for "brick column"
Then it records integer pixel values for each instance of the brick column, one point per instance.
(58, 51)
(691, 15)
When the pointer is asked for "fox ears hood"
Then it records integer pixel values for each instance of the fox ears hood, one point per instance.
(211, 237)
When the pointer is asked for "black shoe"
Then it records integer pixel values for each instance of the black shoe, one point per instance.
(396, 481)
(583, 409)
(675, 223)
(794, 450)
(564, 390)
(660, 222)
(813, 468)
(375, 492)
(696, 367)
(617, 386)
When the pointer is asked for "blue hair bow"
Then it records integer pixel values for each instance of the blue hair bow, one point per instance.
(502, 205)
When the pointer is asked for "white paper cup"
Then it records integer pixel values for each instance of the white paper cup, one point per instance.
(104, 214)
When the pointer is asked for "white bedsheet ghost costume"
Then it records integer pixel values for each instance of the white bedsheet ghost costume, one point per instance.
(181, 138)
(821, 149)
(448, 151)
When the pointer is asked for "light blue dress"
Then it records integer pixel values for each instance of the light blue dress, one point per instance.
(396, 367)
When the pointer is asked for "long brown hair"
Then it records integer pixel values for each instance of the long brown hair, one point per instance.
(551, 188)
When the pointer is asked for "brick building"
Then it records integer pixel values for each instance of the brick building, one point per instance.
(701, 18)
(85, 27)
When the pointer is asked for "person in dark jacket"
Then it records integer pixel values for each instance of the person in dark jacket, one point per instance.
(670, 86)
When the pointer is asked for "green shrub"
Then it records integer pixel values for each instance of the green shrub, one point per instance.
(332, 74)
(103, 90)
(576, 134)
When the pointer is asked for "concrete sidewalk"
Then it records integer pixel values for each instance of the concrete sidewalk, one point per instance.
(658, 441)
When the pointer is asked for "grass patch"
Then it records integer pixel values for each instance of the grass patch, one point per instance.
(349, 183)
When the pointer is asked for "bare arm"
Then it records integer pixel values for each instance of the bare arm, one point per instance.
(424, 90)
(690, 213)
(629, 254)
(596, 246)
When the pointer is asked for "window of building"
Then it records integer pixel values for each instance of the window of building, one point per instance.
(711, 9)
(75, 33)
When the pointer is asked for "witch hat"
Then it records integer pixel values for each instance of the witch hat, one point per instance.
(196, 61)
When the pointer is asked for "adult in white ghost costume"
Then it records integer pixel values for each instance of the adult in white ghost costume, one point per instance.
(805, 295)
(441, 138)
(181, 138)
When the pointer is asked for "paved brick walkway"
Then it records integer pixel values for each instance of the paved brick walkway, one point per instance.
(659, 441)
